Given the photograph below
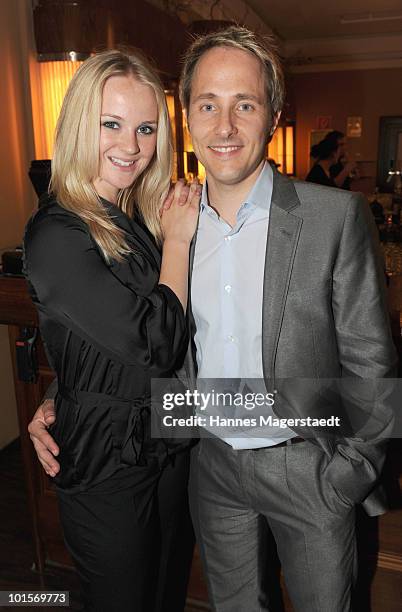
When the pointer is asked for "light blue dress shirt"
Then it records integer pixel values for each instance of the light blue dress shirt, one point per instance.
(227, 295)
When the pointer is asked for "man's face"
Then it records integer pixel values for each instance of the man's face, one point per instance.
(228, 117)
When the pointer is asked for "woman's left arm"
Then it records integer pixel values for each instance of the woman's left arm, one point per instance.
(75, 285)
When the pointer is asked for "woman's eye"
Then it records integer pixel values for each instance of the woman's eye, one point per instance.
(145, 129)
(111, 124)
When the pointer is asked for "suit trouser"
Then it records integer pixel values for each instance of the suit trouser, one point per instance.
(233, 492)
(133, 550)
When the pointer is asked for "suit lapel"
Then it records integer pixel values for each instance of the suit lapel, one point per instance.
(283, 234)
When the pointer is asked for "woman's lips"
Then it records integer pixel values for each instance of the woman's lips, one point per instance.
(122, 164)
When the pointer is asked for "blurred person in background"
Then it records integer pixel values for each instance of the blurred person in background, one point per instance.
(344, 170)
(326, 155)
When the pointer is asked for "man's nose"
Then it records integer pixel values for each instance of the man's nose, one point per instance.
(226, 124)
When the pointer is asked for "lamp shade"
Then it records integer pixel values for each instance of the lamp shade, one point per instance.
(66, 27)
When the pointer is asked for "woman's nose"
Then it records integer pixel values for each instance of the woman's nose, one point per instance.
(129, 143)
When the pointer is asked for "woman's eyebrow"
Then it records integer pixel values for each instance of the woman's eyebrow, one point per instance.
(111, 115)
(154, 121)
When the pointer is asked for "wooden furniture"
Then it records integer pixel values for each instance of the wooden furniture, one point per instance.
(18, 312)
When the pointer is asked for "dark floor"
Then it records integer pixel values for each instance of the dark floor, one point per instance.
(16, 550)
(17, 573)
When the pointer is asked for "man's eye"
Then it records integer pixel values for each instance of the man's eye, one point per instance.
(245, 106)
(113, 125)
(145, 129)
(207, 107)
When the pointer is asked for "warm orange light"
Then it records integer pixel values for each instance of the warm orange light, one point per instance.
(281, 148)
(172, 117)
(289, 149)
(275, 148)
(188, 145)
(49, 87)
(172, 114)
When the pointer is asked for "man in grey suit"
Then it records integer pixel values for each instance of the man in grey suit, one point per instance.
(286, 283)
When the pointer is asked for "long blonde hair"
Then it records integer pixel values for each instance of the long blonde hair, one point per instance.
(75, 162)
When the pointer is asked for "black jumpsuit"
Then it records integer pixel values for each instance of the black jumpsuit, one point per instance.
(108, 328)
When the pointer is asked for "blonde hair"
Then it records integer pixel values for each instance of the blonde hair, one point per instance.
(75, 162)
(265, 49)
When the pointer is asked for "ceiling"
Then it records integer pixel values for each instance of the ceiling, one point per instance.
(315, 35)
(292, 19)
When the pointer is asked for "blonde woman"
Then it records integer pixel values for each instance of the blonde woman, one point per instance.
(108, 274)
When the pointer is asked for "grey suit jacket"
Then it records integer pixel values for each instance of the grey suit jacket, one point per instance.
(325, 315)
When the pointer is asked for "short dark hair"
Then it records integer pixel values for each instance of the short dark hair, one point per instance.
(265, 49)
(334, 136)
(324, 149)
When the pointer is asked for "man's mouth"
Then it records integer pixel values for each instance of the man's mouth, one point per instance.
(225, 149)
(121, 162)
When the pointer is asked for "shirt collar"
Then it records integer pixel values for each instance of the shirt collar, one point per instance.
(259, 196)
(261, 192)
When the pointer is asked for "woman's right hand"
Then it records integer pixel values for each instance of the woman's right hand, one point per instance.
(179, 214)
(179, 221)
(45, 447)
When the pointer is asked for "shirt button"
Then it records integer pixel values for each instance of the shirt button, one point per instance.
(228, 288)
(231, 338)
(228, 238)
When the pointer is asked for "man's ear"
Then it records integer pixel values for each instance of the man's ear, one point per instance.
(275, 122)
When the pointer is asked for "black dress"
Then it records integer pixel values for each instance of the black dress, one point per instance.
(108, 328)
(318, 175)
(335, 169)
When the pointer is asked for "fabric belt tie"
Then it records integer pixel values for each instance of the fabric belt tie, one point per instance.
(128, 420)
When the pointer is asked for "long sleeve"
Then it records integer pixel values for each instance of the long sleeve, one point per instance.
(136, 323)
(51, 391)
(366, 352)
(358, 300)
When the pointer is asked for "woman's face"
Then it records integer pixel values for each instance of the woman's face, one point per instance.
(128, 125)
